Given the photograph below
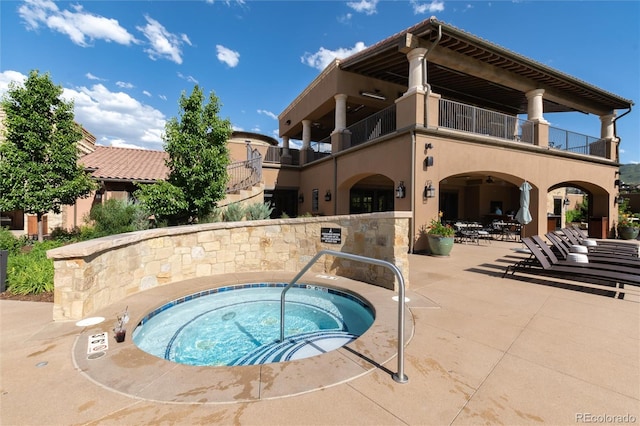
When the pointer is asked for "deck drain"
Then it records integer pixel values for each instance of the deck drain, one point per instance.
(96, 355)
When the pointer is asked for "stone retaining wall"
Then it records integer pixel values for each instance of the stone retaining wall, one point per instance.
(94, 274)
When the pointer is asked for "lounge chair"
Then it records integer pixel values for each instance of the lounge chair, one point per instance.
(539, 264)
(563, 249)
(633, 268)
(612, 247)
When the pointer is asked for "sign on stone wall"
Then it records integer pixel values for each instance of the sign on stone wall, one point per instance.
(331, 235)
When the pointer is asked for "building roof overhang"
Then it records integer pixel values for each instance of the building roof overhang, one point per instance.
(387, 61)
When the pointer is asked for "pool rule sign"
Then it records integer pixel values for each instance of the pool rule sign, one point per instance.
(331, 235)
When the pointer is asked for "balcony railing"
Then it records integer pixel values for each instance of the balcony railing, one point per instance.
(576, 142)
(374, 126)
(274, 155)
(244, 174)
(467, 118)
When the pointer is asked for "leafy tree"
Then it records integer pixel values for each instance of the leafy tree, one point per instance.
(198, 157)
(39, 170)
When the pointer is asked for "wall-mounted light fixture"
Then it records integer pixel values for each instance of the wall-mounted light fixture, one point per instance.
(618, 200)
(288, 122)
(401, 190)
(428, 145)
(616, 183)
(428, 162)
(566, 202)
(429, 190)
(301, 198)
(375, 95)
(327, 196)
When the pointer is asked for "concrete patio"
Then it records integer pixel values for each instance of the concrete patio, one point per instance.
(484, 350)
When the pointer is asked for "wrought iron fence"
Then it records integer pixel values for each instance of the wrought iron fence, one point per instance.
(467, 118)
(244, 174)
(374, 126)
(576, 142)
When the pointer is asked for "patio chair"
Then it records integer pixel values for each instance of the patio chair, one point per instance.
(564, 249)
(630, 269)
(539, 264)
(611, 247)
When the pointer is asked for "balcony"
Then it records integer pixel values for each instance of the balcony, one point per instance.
(462, 118)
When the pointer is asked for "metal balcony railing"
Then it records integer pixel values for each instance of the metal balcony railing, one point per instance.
(576, 142)
(467, 118)
(374, 126)
(244, 174)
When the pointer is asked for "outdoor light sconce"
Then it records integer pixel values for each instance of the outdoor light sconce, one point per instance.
(327, 196)
(400, 190)
(618, 200)
(428, 146)
(428, 162)
(566, 202)
(301, 198)
(429, 190)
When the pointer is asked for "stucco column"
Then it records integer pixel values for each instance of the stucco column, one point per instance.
(306, 154)
(606, 126)
(341, 112)
(416, 57)
(610, 147)
(285, 158)
(534, 107)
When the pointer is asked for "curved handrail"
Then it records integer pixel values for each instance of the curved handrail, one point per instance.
(399, 376)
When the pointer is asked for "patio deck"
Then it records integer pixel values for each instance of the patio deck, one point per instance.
(484, 350)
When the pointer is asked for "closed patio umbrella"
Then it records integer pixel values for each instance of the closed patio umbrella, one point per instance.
(524, 216)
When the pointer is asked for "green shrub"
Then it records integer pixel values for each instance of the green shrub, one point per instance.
(258, 211)
(30, 272)
(116, 217)
(213, 217)
(233, 213)
(9, 242)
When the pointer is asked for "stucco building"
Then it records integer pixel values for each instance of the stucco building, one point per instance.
(435, 119)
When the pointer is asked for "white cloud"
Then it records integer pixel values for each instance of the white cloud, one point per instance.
(227, 56)
(81, 27)
(144, 92)
(268, 113)
(431, 7)
(163, 44)
(323, 57)
(189, 78)
(93, 77)
(345, 19)
(367, 7)
(114, 118)
(124, 85)
(163, 97)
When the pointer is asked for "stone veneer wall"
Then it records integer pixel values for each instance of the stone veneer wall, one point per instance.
(94, 274)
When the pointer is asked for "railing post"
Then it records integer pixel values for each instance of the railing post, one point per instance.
(399, 376)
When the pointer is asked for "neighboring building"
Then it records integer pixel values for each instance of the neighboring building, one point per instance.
(435, 119)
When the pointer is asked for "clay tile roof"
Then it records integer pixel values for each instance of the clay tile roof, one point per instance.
(125, 164)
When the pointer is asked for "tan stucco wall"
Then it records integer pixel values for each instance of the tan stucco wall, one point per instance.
(94, 274)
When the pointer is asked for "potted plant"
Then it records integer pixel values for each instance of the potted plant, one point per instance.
(628, 224)
(119, 329)
(440, 237)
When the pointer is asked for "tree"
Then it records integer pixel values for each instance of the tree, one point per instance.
(39, 170)
(198, 160)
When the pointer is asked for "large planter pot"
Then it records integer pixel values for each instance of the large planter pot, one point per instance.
(440, 246)
(628, 232)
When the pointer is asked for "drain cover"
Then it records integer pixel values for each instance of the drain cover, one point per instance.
(96, 355)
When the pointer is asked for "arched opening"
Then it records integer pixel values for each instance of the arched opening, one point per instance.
(374, 193)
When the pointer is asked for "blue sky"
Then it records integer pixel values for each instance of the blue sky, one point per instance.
(125, 63)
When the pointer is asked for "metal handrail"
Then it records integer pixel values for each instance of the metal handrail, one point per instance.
(399, 377)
